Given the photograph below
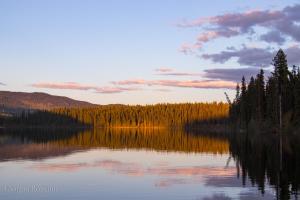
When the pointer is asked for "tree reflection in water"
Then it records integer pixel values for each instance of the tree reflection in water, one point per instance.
(258, 158)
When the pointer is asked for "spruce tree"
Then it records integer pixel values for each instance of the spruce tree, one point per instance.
(281, 74)
(297, 98)
(261, 96)
(243, 103)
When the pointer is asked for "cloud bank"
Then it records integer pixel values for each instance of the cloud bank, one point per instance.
(272, 26)
(280, 23)
(252, 56)
(232, 74)
(78, 86)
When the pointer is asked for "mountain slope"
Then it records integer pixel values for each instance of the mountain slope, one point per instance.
(36, 100)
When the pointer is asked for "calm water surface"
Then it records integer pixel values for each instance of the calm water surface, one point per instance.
(124, 164)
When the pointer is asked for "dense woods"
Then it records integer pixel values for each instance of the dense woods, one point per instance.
(29, 118)
(160, 115)
(272, 102)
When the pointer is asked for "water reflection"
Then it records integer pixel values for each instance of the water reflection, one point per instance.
(258, 159)
(29, 143)
(161, 163)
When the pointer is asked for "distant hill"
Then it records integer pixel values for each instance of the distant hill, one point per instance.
(37, 100)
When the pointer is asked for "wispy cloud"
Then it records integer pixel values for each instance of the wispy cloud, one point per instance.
(280, 24)
(242, 21)
(246, 56)
(164, 69)
(189, 49)
(172, 72)
(215, 74)
(78, 86)
(206, 84)
(232, 74)
(2, 84)
(65, 85)
(110, 90)
(162, 90)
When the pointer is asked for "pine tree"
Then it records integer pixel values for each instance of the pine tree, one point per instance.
(251, 100)
(237, 96)
(261, 96)
(243, 102)
(296, 117)
(281, 74)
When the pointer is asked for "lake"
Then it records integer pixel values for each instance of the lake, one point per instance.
(143, 164)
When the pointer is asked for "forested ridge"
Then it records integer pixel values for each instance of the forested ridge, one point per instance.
(272, 102)
(37, 100)
(159, 115)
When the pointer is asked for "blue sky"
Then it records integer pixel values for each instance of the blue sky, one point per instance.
(141, 52)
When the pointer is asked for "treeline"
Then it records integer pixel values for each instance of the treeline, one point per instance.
(40, 118)
(274, 102)
(160, 115)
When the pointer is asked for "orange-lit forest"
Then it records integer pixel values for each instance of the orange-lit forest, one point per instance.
(160, 115)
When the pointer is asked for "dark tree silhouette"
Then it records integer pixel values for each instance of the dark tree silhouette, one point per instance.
(273, 103)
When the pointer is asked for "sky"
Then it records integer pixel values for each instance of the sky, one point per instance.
(142, 52)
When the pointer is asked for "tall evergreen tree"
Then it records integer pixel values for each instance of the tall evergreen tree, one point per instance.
(251, 100)
(261, 96)
(281, 74)
(243, 102)
(296, 116)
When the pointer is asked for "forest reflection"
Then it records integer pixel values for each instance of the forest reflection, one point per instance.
(159, 139)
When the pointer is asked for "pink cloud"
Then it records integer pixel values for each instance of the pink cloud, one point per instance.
(171, 72)
(65, 85)
(78, 86)
(241, 20)
(164, 69)
(189, 48)
(206, 36)
(109, 90)
(210, 35)
(162, 90)
(130, 82)
(211, 84)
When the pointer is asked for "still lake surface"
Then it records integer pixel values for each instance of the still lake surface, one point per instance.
(134, 164)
